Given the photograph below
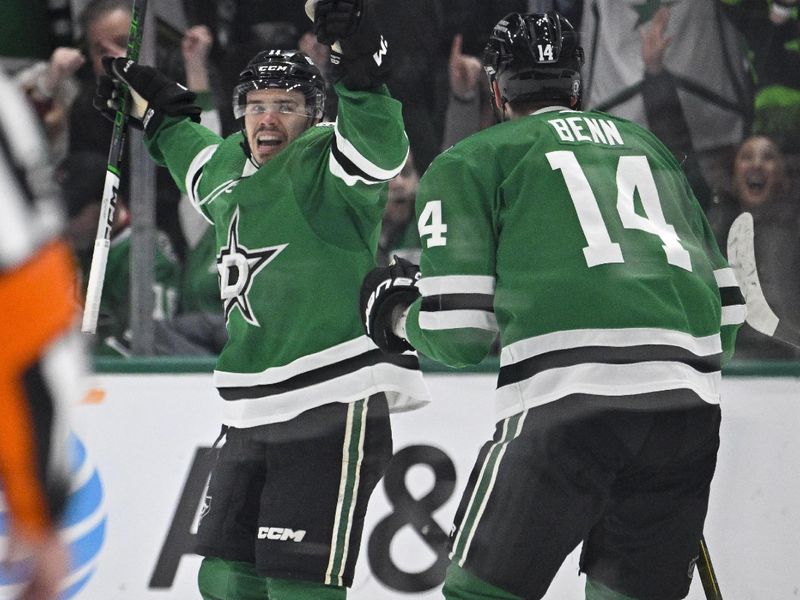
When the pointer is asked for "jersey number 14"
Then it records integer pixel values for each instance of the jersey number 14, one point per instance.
(633, 173)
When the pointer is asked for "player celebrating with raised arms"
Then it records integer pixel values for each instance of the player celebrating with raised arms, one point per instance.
(296, 206)
(576, 236)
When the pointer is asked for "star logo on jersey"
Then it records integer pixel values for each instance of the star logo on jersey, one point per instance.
(238, 267)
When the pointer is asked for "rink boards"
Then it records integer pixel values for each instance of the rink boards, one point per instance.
(148, 436)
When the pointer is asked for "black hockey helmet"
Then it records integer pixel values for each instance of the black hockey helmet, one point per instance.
(282, 69)
(534, 57)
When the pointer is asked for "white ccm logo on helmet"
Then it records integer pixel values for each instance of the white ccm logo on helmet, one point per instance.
(281, 533)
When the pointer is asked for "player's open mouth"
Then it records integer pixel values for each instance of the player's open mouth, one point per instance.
(267, 141)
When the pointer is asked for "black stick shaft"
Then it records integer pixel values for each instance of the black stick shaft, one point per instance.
(94, 289)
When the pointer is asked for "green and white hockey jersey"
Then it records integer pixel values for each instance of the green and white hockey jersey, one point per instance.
(576, 236)
(295, 239)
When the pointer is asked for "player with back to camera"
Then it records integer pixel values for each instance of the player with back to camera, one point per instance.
(576, 236)
(296, 206)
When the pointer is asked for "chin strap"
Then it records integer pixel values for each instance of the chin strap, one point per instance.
(246, 147)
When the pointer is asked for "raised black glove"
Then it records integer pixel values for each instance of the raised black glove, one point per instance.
(362, 72)
(336, 20)
(361, 59)
(383, 290)
(153, 95)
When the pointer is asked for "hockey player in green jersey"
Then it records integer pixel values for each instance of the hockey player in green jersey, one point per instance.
(576, 237)
(296, 207)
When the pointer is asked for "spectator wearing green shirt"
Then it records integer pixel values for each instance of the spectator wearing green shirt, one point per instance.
(82, 176)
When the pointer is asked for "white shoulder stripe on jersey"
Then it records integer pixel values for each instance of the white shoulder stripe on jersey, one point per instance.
(734, 315)
(193, 175)
(618, 338)
(362, 163)
(457, 319)
(726, 278)
(457, 284)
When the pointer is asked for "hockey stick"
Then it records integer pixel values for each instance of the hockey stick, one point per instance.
(707, 575)
(102, 242)
(741, 257)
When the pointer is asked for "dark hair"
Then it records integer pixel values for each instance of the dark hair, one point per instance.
(528, 104)
(96, 9)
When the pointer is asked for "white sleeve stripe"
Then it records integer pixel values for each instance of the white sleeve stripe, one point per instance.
(726, 278)
(194, 175)
(457, 284)
(338, 171)
(457, 319)
(369, 168)
(734, 315)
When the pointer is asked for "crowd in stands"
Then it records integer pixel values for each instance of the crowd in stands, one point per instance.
(717, 80)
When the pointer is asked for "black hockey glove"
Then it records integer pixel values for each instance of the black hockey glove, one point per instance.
(153, 95)
(361, 59)
(383, 290)
(336, 20)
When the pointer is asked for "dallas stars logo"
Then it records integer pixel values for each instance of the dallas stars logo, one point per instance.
(238, 266)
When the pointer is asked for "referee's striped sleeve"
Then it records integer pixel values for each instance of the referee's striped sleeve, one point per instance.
(30, 208)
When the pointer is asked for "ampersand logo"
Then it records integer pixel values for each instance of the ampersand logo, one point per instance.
(418, 513)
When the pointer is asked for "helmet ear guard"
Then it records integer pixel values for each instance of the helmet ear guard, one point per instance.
(533, 58)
